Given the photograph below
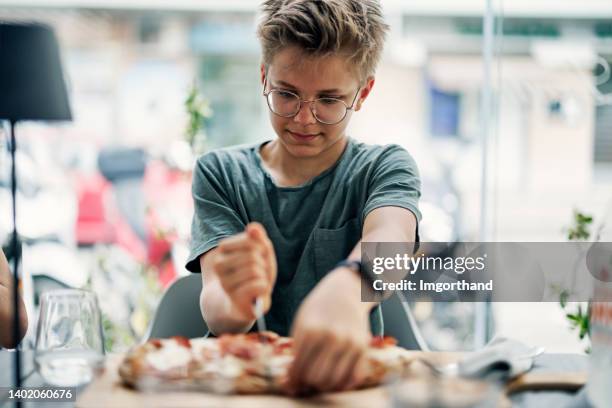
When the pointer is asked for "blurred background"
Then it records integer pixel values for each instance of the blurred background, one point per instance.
(104, 201)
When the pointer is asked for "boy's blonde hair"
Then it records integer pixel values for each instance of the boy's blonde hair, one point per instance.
(354, 28)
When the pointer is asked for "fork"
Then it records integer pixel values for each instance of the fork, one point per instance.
(259, 313)
(261, 327)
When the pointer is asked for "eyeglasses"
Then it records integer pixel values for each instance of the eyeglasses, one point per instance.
(328, 111)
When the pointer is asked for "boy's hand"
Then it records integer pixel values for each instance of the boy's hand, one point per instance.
(246, 268)
(331, 333)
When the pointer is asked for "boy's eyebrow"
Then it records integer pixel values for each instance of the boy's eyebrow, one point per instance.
(324, 91)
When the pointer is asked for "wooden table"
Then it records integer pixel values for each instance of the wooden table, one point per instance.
(107, 391)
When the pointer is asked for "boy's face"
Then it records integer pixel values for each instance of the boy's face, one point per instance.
(311, 78)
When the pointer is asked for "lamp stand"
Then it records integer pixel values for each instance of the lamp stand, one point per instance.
(15, 250)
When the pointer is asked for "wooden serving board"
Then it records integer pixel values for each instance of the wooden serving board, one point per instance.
(107, 391)
(547, 381)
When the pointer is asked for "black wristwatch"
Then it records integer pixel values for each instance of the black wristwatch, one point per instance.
(367, 277)
(357, 266)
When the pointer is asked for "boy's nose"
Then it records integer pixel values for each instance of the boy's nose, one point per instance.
(305, 115)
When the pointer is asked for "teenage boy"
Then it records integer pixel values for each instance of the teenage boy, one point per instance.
(6, 308)
(273, 221)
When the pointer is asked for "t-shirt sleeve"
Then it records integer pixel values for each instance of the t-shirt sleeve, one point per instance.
(394, 181)
(214, 215)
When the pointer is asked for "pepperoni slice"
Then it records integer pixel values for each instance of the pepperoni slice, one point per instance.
(262, 337)
(282, 346)
(183, 341)
(238, 346)
(382, 341)
(156, 343)
(243, 352)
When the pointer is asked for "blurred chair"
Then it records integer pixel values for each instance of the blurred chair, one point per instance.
(400, 323)
(178, 314)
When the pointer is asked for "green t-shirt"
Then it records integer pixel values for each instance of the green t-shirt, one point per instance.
(312, 226)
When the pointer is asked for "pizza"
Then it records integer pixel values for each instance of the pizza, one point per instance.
(252, 363)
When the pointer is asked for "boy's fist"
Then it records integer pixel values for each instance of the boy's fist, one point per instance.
(246, 268)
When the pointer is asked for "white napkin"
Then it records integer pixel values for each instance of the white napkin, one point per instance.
(502, 358)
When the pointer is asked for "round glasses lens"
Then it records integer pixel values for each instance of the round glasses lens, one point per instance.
(283, 103)
(329, 110)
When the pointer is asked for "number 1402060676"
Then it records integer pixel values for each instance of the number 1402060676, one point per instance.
(42, 394)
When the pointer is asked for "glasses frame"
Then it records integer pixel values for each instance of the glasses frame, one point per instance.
(311, 102)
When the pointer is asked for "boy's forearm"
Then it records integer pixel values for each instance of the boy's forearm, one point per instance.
(346, 279)
(6, 308)
(219, 312)
(216, 307)
(7, 319)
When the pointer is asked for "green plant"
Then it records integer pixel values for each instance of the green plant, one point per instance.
(116, 336)
(128, 292)
(579, 318)
(579, 231)
(198, 111)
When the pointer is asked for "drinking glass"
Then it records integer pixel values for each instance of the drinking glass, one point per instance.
(69, 339)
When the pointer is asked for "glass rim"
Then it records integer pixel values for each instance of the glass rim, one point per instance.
(67, 292)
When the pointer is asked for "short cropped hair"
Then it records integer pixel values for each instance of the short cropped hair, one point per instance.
(353, 28)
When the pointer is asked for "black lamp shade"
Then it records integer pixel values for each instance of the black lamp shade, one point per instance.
(32, 84)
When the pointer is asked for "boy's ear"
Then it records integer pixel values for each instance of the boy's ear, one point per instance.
(262, 70)
(365, 91)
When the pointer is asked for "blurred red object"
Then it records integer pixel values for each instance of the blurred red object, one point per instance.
(160, 183)
(167, 194)
(99, 220)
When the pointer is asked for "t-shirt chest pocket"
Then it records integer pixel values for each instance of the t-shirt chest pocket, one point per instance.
(333, 245)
